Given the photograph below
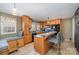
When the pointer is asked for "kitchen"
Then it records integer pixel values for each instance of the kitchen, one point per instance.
(25, 34)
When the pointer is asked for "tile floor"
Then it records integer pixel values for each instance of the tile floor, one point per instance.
(67, 48)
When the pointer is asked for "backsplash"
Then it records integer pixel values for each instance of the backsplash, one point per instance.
(7, 35)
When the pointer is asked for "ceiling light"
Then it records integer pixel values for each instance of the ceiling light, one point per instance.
(14, 10)
(48, 20)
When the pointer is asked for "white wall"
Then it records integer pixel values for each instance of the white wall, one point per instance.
(66, 28)
(73, 29)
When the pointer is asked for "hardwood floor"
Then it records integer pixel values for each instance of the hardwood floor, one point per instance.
(67, 48)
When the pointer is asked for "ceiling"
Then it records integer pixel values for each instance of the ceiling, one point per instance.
(39, 11)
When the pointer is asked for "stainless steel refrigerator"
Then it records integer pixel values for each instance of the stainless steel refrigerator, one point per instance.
(77, 30)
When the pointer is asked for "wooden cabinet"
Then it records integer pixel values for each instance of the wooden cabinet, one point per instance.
(4, 52)
(40, 32)
(57, 21)
(26, 30)
(43, 24)
(30, 23)
(27, 38)
(20, 43)
(41, 45)
(12, 45)
(27, 21)
(54, 22)
(27, 25)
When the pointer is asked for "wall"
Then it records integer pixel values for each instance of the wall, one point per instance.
(66, 28)
(73, 29)
(19, 26)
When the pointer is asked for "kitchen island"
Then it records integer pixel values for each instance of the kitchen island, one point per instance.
(40, 42)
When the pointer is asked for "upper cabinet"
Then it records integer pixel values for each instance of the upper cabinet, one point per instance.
(28, 21)
(42, 24)
(53, 22)
(49, 23)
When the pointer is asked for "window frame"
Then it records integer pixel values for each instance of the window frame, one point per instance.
(4, 24)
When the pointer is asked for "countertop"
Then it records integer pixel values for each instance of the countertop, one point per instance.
(3, 45)
(12, 38)
(4, 42)
(45, 34)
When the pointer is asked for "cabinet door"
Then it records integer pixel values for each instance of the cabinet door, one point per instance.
(27, 30)
(20, 43)
(24, 19)
(29, 38)
(30, 23)
(25, 39)
(53, 22)
(37, 44)
(12, 45)
(41, 45)
(57, 21)
(27, 20)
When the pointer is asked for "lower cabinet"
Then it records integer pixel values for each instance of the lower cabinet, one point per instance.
(20, 43)
(40, 45)
(27, 38)
(12, 45)
(4, 52)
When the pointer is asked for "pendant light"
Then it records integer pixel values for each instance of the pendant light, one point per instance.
(14, 10)
(48, 21)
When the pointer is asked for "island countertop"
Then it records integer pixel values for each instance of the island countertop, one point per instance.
(45, 34)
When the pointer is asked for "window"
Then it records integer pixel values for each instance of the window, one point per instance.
(35, 26)
(8, 25)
